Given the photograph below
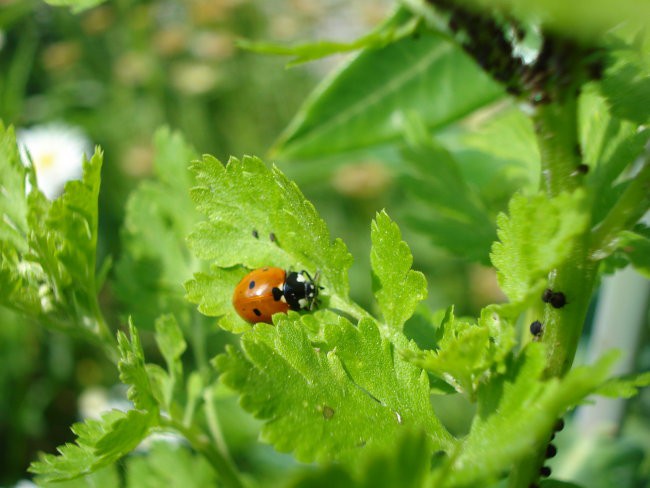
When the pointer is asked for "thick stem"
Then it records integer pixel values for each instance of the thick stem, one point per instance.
(557, 136)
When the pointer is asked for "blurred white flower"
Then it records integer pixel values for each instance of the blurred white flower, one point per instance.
(57, 152)
(96, 400)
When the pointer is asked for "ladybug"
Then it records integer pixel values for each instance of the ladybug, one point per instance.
(267, 291)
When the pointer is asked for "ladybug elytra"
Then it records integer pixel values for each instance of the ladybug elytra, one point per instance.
(267, 291)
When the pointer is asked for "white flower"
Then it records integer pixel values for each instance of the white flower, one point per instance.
(57, 152)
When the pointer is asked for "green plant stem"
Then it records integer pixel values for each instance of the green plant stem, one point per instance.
(202, 444)
(557, 136)
(556, 128)
(213, 423)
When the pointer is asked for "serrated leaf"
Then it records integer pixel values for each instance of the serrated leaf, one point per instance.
(406, 465)
(624, 387)
(311, 395)
(467, 353)
(49, 247)
(159, 214)
(245, 203)
(212, 292)
(133, 372)
(99, 443)
(171, 343)
(535, 236)
(107, 477)
(397, 288)
(356, 109)
(517, 411)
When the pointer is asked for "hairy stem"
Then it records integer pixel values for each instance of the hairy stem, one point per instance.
(557, 136)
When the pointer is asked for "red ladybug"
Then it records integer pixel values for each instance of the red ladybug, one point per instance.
(266, 291)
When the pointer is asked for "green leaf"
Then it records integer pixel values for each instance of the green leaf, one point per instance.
(397, 288)
(627, 81)
(77, 6)
(361, 105)
(159, 215)
(246, 203)
(635, 247)
(398, 26)
(104, 477)
(311, 394)
(13, 204)
(133, 372)
(467, 353)
(446, 208)
(625, 386)
(517, 411)
(167, 464)
(99, 443)
(212, 292)
(405, 465)
(49, 247)
(171, 344)
(536, 236)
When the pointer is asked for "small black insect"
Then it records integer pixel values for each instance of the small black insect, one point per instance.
(556, 299)
(272, 237)
(545, 471)
(551, 451)
(536, 328)
(255, 234)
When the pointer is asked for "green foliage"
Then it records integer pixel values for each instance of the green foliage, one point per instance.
(536, 236)
(133, 372)
(446, 208)
(400, 25)
(77, 6)
(159, 215)
(466, 352)
(625, 387)
(243, 197)
(168, 464)
(363, 104)
(99, 444)
(346, 370)
(49, 247)
(407, 467)
(516, 411)
(396, 286)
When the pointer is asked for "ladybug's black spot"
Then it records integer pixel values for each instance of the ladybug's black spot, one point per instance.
(257, 312)
(251, 285)
(277, 293)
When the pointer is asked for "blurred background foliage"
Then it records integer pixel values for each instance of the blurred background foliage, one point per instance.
(122, 69)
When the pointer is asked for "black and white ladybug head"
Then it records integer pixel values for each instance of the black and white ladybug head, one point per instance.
(301, 290)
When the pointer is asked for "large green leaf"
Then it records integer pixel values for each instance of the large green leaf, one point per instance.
(362, 104)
